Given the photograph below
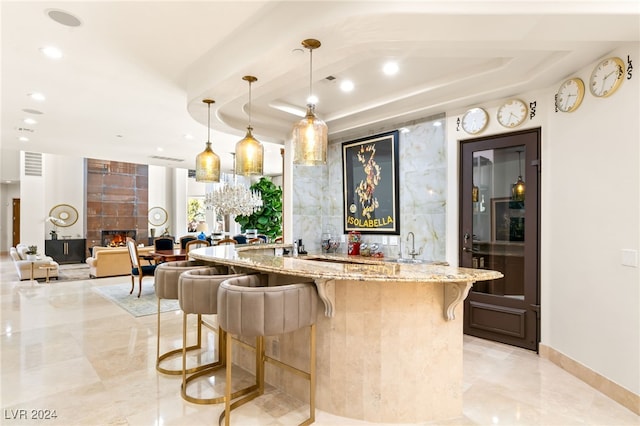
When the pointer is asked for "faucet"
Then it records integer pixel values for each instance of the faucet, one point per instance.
(413, 253)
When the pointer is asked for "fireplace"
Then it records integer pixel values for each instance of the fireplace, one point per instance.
(117, 237)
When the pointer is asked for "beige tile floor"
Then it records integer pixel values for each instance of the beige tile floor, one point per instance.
(67, 349)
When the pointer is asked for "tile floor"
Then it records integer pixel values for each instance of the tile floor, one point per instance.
(65, 348)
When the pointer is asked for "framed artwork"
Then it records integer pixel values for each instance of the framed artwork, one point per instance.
(370, 179)
(507, 220)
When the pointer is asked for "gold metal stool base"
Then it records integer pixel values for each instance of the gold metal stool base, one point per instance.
(206, 370)
(258, 389)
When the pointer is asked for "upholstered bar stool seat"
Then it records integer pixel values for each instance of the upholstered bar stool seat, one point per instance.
(198, 294)
(246, 310)
(166, 285)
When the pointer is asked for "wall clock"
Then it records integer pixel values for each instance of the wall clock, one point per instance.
(570, 95)
(606, 77)
(157, 216)
(512, 113)
(64, 215)
(475, 120)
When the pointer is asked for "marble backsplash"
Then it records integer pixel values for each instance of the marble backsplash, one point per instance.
(318, 202)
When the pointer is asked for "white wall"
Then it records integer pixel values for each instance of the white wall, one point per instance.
(590, 212)
(64, 183)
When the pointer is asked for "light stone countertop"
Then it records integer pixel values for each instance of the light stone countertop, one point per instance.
(338, 266)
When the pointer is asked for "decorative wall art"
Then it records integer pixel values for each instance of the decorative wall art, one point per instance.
(371, 190)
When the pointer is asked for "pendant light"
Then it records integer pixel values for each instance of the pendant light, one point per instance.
(208, 162)
(310, 134)
(518, 188)
(249, 151)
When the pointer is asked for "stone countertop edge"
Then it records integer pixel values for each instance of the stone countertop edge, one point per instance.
(338, 266)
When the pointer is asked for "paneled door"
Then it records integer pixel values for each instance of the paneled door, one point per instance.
(499, 230)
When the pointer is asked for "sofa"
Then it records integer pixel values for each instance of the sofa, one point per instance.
(24, 267)
(112, 261)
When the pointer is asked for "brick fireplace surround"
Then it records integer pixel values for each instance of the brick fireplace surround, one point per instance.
(117, 199)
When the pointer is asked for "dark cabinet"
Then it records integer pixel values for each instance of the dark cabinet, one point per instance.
(66, 251)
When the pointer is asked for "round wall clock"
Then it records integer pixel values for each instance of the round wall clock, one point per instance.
(157, 216)
(475, 120)
(512, 113)
(606, 77)
(64, 215)
(570, 95)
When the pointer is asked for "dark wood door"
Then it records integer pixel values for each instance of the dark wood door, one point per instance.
(499, 230)
(15, 222)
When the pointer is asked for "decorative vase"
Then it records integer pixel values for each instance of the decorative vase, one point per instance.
(32, 257)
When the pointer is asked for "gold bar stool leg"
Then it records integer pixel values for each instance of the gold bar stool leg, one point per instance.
(291, 308)
(198, 289)
(166, 279)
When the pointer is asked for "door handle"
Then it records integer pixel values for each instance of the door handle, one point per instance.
(469, 250)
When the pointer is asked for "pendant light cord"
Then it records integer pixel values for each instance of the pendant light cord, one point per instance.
(234, 166)
(310, 75)
(208, 122)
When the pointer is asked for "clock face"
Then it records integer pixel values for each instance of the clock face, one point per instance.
(475, 120)
(606, 77)
(570, 95)
(512, 113)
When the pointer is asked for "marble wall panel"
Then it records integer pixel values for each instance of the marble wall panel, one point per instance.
(422, 174)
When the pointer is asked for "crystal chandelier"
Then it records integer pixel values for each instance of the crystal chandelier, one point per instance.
(233, 199)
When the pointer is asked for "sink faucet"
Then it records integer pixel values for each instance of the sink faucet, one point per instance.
(413, 253)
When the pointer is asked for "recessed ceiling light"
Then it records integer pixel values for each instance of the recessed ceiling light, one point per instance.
(346, 86)
(51, 52)
(32, 111)
(63, 18)
(188, 136)
(437, 123)
(36, 96)
(29, 121)
(313, 99)
(23, 139)
(159, 149)
(390, 68)
(404, 130)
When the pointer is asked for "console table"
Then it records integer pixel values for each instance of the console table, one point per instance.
(66, 250)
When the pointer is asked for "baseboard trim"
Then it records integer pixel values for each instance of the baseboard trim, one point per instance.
(622, 396)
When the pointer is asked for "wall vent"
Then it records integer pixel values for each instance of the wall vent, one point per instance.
(32, 164)
(159, 157)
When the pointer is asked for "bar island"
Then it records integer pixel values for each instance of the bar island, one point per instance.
(389, 343)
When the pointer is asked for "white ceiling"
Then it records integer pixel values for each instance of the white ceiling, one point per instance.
(134, 74)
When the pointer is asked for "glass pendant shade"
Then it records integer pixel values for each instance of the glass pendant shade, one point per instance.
(310, 139)
(208, 166)
(249, 156)
(518, 189)
(208, 162)
(310, 135)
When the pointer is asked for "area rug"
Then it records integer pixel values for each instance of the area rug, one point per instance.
(73, 272)
(147, 304)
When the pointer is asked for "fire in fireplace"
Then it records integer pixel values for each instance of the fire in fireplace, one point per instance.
(117, 238)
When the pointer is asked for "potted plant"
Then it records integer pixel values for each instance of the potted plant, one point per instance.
(32, 252)
(268, 219)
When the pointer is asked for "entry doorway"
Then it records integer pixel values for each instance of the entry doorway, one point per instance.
(499, 230)
(15, 222)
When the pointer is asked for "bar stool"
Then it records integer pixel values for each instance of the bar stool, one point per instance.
(198, 294)
(166, 284)
(266, 311)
